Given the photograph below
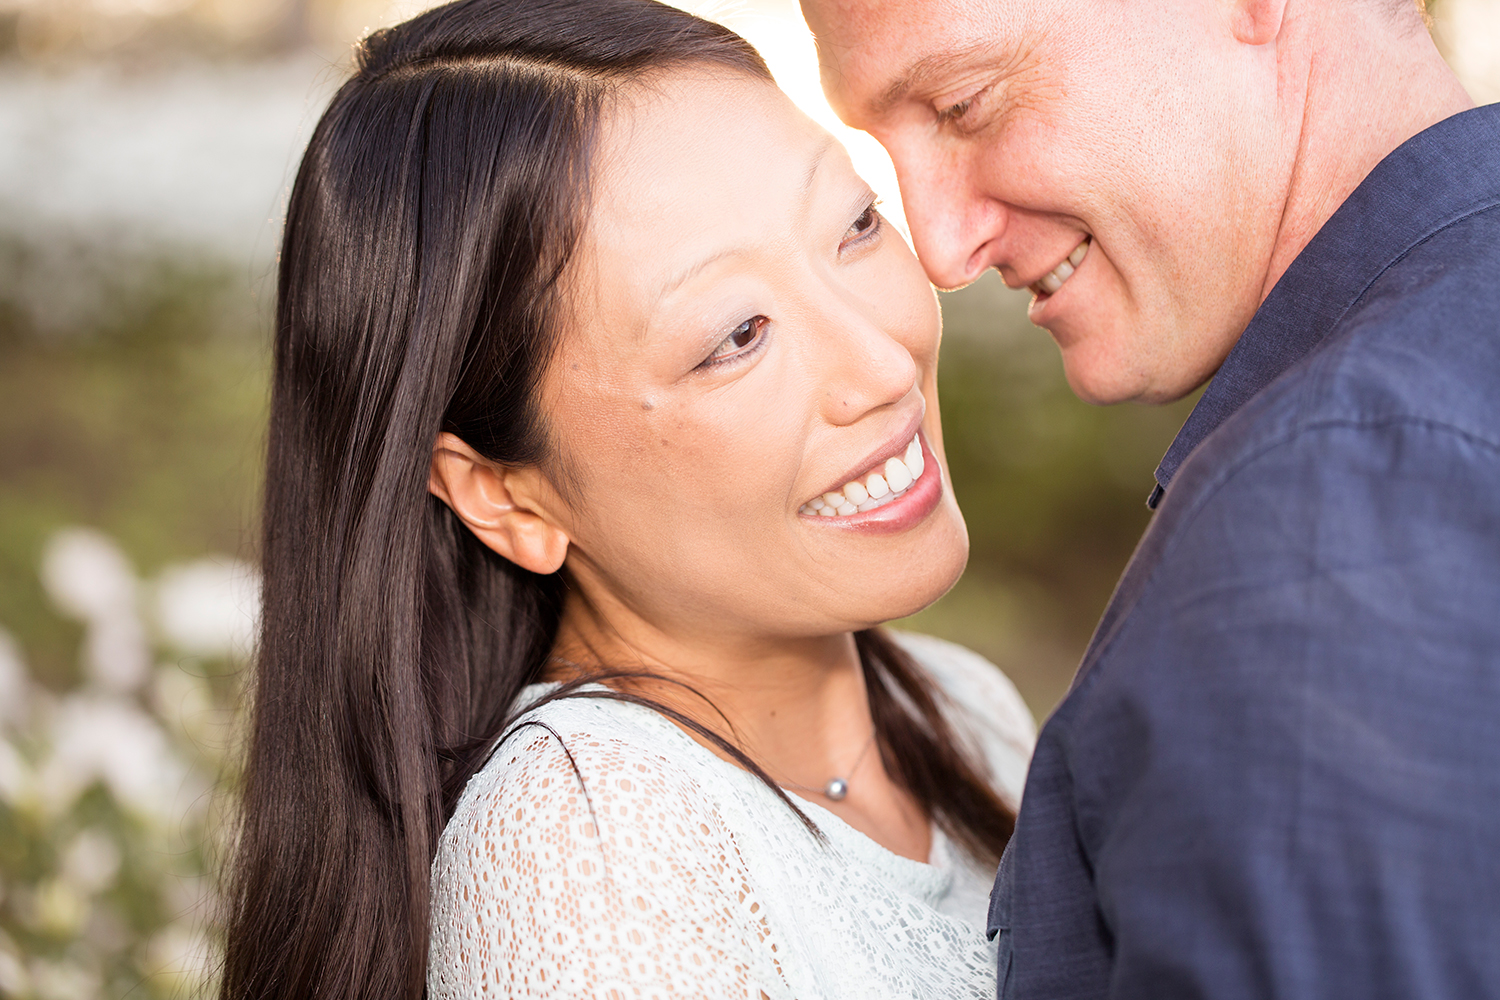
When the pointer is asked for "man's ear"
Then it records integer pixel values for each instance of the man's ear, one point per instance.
(496, 503)
(1257, 22)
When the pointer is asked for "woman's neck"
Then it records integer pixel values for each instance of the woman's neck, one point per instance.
(770, 693)
(796, 706)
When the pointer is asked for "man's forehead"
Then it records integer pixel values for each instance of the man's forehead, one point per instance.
(874, 52)
(850, 20)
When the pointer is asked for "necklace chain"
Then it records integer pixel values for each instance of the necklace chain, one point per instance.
(837, 788)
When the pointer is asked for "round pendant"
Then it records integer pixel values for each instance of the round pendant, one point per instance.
(836, 789)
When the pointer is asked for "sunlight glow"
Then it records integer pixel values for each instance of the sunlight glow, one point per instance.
(776, 29)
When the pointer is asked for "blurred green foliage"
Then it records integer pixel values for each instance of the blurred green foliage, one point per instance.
(136, 409)
(140, 415)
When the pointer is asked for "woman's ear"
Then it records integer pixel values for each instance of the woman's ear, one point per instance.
(496, 503)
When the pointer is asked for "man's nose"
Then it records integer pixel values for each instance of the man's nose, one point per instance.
(955, 229)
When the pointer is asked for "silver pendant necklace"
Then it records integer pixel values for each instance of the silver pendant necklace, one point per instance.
(837, 788)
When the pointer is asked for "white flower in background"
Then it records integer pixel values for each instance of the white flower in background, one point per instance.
(58, 908)
(115, 653)
(103, 734)
(181, 954)
(210, 607)
(91, 862)
(15, 773)
(14, 980)
(184, 700)
(97, 737)
(86, 574)
(153, 750)
(14, 686)
(63, 981)
(89, 578)
(16, 783)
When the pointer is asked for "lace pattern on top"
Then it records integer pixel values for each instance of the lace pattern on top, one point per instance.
(679, 875)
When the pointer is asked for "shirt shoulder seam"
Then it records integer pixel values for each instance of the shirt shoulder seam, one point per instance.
(1234, 468)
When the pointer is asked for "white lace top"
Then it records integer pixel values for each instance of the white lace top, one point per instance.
(689, 878)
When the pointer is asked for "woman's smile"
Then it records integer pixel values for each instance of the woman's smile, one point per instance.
(891, 495)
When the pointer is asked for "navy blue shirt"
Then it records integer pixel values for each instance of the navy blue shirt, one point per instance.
(1277, 774)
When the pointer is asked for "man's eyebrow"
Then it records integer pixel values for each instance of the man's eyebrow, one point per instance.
(921, 73)
(807, 182)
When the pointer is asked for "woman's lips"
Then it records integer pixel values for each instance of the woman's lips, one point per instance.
(905, 509)
(875, 487)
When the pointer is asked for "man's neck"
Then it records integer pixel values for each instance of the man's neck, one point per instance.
(1356, 89)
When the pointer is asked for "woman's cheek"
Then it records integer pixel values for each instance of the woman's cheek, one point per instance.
(906, 302)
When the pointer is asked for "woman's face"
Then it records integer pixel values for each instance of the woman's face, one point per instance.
(746, 335)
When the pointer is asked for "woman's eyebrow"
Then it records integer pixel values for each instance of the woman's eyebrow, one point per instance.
(693, 269)
(814, 163)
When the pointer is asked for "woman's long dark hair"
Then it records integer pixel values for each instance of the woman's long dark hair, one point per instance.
(438, 202)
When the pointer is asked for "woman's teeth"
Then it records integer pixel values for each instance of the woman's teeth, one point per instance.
(876, 489)
(1053, 279)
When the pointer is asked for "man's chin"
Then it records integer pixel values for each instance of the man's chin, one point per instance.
(1109, 380)
(1131, 356)
(1103, 383)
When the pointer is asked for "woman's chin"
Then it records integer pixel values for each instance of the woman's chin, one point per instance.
(930, 596)
(921, 581)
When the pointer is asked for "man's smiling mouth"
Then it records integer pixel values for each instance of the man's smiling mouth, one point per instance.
(1050, 282)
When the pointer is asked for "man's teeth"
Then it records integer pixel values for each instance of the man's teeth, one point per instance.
(1053, 279)
(876, 489)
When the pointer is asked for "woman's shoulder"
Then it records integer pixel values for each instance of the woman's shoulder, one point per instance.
(982, 703)
(586, 851)
(591, 778)
(596, 750)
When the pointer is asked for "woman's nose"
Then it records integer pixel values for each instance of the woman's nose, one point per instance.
(953, 225)
(871, 367)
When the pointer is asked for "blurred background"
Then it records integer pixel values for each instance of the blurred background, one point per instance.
(146, 147)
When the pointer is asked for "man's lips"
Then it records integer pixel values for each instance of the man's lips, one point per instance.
(1050, 282)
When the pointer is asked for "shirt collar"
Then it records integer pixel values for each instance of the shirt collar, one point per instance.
(1438, 176)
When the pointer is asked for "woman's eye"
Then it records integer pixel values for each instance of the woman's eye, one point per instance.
(743, 336)
(868, 221)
